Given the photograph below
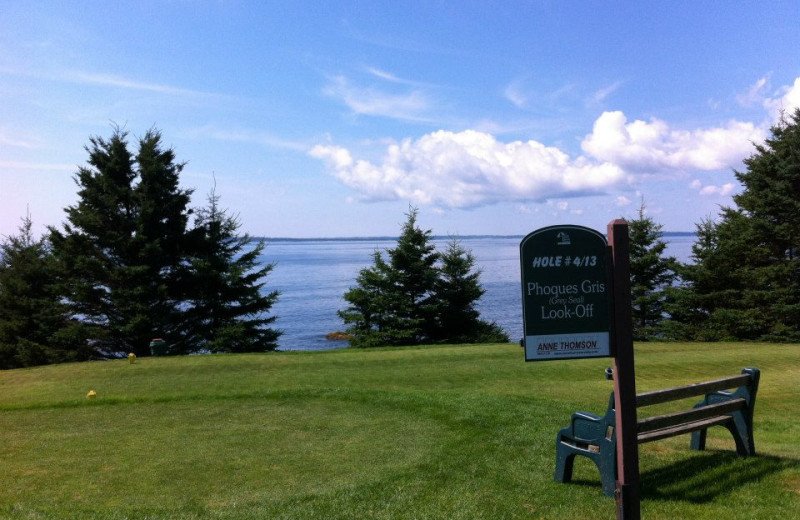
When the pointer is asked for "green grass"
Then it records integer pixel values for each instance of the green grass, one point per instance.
(461, 432)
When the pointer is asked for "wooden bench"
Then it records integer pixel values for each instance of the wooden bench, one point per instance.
(728, 402)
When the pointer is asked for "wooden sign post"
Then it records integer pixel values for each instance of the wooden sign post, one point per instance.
(576, 303)
(628, 482)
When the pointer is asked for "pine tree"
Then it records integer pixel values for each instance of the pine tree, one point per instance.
(722, 297)
(745, 283)
(652, 274)
(121, 253)
(228, 310)
(412, 280)
(457, 291)
(33, 323)
(393, 302)
(417, 296)
(771, 195)
(368, 312)
(159, 245)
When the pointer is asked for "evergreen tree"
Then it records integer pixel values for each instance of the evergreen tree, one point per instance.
(33, 323)
(417, 296)
(228, 312)
(651, 275)
(745, 283)
(719, 299)
(771, 195)
(458, 290)
(368, 311)
(159, 245)
(121, 253)
(393, 302)
(412, 280)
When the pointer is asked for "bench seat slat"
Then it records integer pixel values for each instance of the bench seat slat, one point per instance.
(681, 429)
(681, 392)
(696, 414)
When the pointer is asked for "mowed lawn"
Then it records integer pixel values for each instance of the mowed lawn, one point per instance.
(461, 432)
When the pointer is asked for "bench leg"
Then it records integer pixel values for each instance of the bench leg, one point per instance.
(743, 435)
(698, 440)
(565, 459)
(605, 461)
(607, 464)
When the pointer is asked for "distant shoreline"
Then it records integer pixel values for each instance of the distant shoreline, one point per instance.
(665, 234)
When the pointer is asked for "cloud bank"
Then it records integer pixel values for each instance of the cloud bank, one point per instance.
(642, 147)
(472, 168)
(467, 169)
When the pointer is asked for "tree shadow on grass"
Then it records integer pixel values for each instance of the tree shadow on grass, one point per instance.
(706, 476)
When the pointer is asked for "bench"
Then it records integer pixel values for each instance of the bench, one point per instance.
(594, 437)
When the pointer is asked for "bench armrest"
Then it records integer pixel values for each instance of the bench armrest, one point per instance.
(587, 427)
(585, 416)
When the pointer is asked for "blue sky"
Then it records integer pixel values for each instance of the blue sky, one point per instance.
(326, 119)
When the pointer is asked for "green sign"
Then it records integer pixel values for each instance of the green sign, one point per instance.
(566, 293)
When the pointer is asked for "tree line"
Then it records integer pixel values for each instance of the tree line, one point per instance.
(134, 262)
(743, 281)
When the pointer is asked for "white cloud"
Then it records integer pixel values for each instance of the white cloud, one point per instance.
(411, 106)
(514, 93)
(558, 207)
(642, 147)
(109, 80)
(522, 94)
(387, 76)
(99, 79)
(18, 165)
(725, 189)
(393, 78)
(473, 168)
(468, 169)
(784, 99)
(247, 136)
(754, 94)
(16, 143)
(788, 100)
(601, 95)
(711, 190)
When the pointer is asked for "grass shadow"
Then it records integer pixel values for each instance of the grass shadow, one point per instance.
(706, 476)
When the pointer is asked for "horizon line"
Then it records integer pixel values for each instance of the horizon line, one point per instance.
(433, 237)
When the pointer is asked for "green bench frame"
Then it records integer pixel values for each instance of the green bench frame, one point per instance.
(595, 437)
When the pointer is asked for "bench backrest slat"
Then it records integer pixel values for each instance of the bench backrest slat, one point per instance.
(695, 414)
(681, 392)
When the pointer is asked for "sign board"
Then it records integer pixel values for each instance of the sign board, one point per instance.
(566, 293)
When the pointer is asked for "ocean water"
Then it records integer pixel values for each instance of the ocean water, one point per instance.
(312, 276)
